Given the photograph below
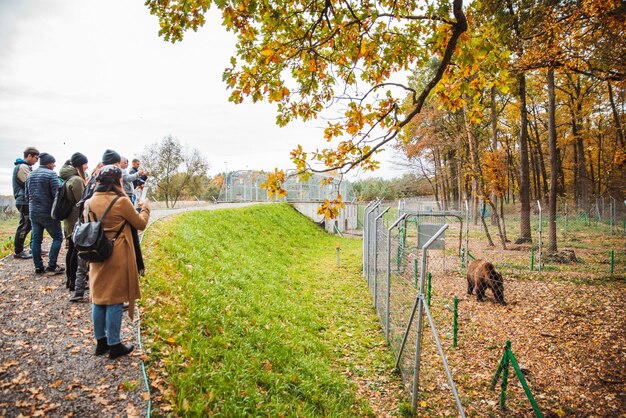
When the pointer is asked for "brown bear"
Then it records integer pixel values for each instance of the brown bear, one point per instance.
(481, 275)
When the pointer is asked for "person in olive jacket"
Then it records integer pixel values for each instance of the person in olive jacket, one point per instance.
(73, 174)
(116, 279)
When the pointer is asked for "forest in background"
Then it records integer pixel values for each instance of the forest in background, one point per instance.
(532, 110)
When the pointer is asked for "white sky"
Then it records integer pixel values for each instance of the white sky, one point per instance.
(89, 75)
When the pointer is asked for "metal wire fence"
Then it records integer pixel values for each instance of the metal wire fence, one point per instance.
(401, 256)
(246, 186)
(395, 267)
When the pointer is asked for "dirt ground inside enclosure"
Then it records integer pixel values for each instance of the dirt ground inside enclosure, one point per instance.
(566, 326)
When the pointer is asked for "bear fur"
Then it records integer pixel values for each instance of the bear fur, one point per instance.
(482, 275)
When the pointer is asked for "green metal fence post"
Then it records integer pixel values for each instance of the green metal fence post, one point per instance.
(522, 380)
(455, 326)
(429, 287)
(415, 271)
(494, 380)
(532, 259)
(505, 375)
(612, 261)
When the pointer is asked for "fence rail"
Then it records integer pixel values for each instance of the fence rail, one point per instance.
(398, 254)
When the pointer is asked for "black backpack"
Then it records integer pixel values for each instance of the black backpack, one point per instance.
(88, 191)
(89, 239)
(63, 203)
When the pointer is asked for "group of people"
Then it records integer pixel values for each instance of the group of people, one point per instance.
(111, 283)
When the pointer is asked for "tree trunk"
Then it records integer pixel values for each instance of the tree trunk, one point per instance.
(535, 195)
(524, 179)
(616, 119)
(480, 184)
(600, 161)
(474, 202)
(559, 156)
(494, 144)
(552, 243)
(454, 180)
(440, 180)
(576, 177)
(542, 164)
(581, 164)
(506, 239)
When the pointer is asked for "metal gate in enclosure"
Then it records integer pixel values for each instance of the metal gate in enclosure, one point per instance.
(398, 254)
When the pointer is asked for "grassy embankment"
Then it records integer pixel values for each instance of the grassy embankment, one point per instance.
(8, 224)
(245, 312)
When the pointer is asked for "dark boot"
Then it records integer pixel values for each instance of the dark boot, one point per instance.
(119, 350)
(77, 297)
(102, 346)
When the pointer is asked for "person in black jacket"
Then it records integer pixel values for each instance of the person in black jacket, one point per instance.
(23, 168)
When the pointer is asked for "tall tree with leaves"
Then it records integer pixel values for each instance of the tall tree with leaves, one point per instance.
(306, 55)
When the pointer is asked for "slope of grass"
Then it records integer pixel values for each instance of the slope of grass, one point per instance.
(246, 313)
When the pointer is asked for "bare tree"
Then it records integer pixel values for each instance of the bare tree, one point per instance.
(172, 167)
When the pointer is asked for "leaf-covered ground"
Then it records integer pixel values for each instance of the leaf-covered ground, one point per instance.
(567, 326)
(47, 365)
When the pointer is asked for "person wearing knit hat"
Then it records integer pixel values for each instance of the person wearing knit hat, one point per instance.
(77, 159)
(109, 174)
(73, 174)
(110, 157)
(46, 159)
(41, 188)
(115, 280)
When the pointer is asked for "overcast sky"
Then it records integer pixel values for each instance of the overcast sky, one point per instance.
(89, 75)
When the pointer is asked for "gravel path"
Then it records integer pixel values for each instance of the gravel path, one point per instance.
(47, 365)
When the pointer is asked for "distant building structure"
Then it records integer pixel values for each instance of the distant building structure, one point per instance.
(305, 196)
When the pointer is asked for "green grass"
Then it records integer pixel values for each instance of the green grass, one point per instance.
(8, 224)
(247, 314)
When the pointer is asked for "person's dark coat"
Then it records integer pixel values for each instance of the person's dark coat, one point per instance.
(41, 188)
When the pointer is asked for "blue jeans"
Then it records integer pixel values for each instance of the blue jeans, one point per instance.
(39, 223)
(107, 322)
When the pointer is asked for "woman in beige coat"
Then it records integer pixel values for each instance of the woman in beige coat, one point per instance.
(115, 280)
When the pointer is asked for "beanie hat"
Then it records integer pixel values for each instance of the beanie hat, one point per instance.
(109, 174)
(110, 157)
(77, 159)
(45, 159)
